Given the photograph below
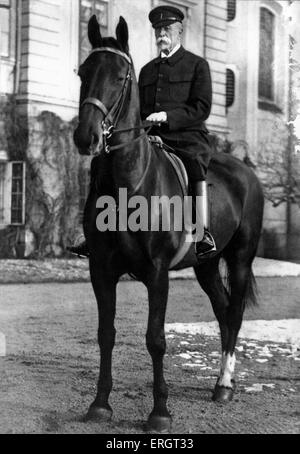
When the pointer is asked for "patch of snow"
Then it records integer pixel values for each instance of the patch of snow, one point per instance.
(190, 365)
(261, 268)
(261, 330)
(184, 356)
(258, 387)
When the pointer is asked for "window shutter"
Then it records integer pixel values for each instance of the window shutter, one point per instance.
(231, 10)
(230, 87)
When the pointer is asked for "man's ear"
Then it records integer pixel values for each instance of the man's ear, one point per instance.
(122, 34)
(94, 33)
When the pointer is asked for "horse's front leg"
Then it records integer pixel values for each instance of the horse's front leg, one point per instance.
(105, 292)
(160, 418)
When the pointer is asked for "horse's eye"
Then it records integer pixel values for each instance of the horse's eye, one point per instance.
(120, 79)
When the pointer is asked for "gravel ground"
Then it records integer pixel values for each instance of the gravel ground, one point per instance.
(76, 270)
(47, 379)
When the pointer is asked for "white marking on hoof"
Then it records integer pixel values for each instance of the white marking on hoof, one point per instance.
(227, 370)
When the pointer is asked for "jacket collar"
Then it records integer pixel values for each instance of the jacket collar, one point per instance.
(174, 58)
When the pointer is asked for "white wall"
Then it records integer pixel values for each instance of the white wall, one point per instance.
(50, 56)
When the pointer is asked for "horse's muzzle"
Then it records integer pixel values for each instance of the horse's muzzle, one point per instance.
(88, 144)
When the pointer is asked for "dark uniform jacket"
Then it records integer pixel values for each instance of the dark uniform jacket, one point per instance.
(181, 86)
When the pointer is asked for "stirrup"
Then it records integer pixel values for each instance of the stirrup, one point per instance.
(206, 246)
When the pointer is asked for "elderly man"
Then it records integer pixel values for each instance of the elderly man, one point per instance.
(176, 95)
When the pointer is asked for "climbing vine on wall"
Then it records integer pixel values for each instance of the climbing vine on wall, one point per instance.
(45, 144)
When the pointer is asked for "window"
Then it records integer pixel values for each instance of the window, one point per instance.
(17, 193)
(87, 9)
(12, 193)
(84, 187)
(2, 192)
(231, 10)
(5, 7)
(266, 55)
(230, 87)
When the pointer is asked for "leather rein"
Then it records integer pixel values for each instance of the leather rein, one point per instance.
(112, 116)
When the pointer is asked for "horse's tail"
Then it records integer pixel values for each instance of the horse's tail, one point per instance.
(251, 293)
(250, 296)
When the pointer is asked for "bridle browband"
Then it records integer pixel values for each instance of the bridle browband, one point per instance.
(112, 116)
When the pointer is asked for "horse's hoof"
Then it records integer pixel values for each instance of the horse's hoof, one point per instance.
(159, 424)
(223, 394)
(99, 414)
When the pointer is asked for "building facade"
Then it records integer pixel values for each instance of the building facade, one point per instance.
(43, 181)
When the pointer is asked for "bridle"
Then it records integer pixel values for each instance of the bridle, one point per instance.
(112, 116)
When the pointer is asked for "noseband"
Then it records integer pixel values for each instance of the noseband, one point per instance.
(112, 116)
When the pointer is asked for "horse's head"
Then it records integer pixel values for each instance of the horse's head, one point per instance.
(105, 78)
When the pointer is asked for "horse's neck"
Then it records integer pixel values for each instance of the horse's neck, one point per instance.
(130, 162)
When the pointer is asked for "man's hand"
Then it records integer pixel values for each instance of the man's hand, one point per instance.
(158, 117)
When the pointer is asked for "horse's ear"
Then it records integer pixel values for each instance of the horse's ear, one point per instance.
(122, 34)
(94, 33)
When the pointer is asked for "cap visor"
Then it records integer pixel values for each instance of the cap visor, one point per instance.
(164, 22)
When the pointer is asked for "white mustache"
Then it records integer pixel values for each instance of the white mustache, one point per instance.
(163, 41)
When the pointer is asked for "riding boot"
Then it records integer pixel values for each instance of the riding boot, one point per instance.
(207, 244)
(80, 247)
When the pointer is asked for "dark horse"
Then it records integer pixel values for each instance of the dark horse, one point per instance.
(109, 114)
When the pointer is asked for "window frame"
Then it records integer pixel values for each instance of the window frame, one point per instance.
(7, 193)
(81, 34)
(12, 163)
(10, 40)
(264, 99)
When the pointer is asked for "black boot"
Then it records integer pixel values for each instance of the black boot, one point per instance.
(207, 244)
(81, 250)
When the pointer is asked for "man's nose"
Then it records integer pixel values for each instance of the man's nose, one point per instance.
(162, 31)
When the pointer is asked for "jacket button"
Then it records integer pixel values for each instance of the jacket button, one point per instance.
(159, 89)
(158, 104)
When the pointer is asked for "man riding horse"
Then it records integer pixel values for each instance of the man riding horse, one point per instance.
(110, 110)
(176, 96)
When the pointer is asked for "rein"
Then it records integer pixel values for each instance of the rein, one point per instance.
(112, 116)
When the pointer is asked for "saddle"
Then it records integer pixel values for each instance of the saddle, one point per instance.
(176, 162)
(182, 176)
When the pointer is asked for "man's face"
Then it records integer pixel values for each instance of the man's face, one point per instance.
(168, 36)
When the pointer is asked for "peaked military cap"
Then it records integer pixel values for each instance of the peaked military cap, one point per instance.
(165, 15)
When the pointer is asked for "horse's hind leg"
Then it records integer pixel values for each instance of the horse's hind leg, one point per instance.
(158, 287)
(209, 278)
(105, 292)
(241, 282)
